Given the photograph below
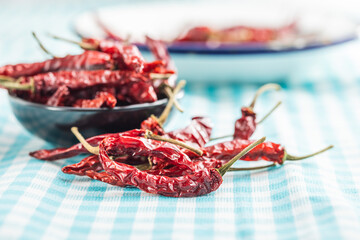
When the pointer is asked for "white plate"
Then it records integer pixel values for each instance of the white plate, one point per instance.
(240, 62)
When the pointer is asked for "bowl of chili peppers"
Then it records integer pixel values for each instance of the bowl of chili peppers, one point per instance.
(183, 162)
(109, 87)
(228, 40)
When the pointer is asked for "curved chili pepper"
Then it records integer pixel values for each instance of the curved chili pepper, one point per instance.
(88, 60)
(60, 153)
(201, 182)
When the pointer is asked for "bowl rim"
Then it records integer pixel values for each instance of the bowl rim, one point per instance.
(132, 107)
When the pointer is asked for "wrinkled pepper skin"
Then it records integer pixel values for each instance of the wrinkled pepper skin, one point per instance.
(268, 151)
(89, 60)
(246, 125)
(202, 182)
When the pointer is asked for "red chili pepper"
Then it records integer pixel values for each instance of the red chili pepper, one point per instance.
(80, 168)
(238, 34)
(152, 124)
(196, 34)
(88, 60)
(160, 52)
(246, 125)
(140, 146)
(135, 86)
(201, 181)
(60, 153)
(267, 151)
(128, 57)
(101, 99)
(57, 99)
(226, 150)
(196, 134)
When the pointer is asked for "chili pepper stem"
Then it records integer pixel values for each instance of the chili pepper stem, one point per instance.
(18, 86)
(160, 75)
(83, 45)
(288, 157)
(270, 112)
(91, 149)
(262, 89)
(42, 46)
(153, 136)
(170, 94)
(7, 79)
(222, 170)
(170, 103)
(251, 168)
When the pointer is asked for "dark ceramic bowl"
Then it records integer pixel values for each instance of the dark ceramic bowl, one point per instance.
(53, 123)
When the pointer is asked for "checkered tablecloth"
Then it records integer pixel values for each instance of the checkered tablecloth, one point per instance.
(314, 199)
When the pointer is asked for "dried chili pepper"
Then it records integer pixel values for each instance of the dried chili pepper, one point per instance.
(60, 153)
(57, 98)
(131, 83)
(88, 60)
(201, 181)
(245, 126)
(268, 151)
(126, 57)
(239, 34)
(101, 99)
(196, 134)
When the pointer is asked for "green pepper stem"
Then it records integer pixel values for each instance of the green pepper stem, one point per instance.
(18, 86)
(270, 112)
(262, 89)
(83, 45)
(169, 94)
(87, 146)
(42, 46)
(160, 75)
(7, 79)
(288, 157)
(222, 170)
(170, 103)
(251, 168)
(151, 135)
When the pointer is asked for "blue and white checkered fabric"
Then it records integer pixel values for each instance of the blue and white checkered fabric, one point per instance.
(315, 199)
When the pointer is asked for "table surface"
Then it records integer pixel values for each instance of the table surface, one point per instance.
(312, 199)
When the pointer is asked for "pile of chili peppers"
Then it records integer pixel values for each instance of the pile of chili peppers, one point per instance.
(237, 34)
(108, 73)
(179, 163)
